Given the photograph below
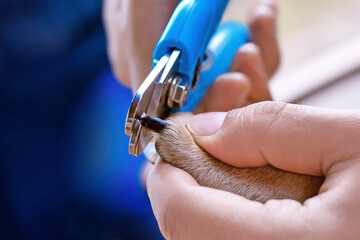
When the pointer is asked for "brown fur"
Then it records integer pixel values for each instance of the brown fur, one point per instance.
(176, 146)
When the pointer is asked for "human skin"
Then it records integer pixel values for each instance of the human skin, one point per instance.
(133, 28)
(186, 210)
(301, 139)
(176, 145)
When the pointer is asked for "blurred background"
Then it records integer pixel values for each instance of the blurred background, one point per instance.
(65, 172)
(64, 168)
(320, 48)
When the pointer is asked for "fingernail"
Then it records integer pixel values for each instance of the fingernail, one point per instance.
(205, 124)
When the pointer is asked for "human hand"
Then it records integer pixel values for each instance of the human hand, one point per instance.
(133, 28)
(253, 65)
(301, 139)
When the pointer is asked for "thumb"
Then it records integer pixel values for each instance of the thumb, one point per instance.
(295, 138)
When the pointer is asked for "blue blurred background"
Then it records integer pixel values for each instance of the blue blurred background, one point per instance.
(65, 172)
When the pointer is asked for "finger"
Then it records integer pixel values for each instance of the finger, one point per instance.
(145, 171)
(113, 13)
(262, 23)
(178, 204)
(229, 91)
(248, 61)
(295, 138)
(133, 29)
(161, 188)
(185, 210)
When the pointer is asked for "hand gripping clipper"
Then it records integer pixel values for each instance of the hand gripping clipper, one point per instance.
(192, 51)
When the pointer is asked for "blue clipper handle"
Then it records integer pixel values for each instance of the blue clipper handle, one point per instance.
(229, 37)
(190, 29)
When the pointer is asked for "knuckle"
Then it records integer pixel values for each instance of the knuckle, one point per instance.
(248, 55)
(265, 114)
(230, 78)
(234, 115)
(243, 81)
(263, 17)
(271, 109)
(272, 112)
(238, 119)
(249, 50)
